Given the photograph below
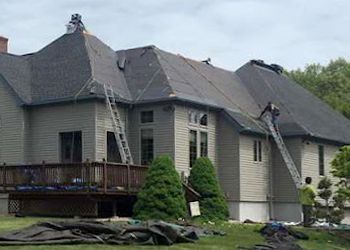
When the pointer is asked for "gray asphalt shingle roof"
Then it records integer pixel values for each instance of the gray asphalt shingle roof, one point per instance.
(302, 113)
(77, 65)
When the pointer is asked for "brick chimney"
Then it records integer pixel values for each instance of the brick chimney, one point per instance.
(3, 44)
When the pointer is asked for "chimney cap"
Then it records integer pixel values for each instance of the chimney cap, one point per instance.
(4, 38)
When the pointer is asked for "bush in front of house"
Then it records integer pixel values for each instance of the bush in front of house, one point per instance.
(162, 196)
(203, 179)
(334, 213)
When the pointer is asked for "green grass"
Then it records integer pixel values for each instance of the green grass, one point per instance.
(237, 235)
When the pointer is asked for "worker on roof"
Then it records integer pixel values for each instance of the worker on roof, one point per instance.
(274, 111)
(307, 196)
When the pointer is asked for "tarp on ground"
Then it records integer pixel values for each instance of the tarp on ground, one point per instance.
(91, 232)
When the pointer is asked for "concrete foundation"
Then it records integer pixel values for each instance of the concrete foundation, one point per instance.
(255, 211)
(284, 211)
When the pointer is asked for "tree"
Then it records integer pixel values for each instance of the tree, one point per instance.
(162, 196)
(334, 214)
(204, 180)
(341, 169)
(331, 83)
(325, 193)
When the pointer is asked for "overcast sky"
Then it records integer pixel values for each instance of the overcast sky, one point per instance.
(291, 33)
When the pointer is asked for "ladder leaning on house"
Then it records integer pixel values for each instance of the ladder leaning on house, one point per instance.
(118, 129)
(284, 151)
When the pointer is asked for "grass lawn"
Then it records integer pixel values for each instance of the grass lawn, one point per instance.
(237, 235)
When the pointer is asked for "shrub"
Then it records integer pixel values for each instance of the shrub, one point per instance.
(333, 214)
(162, 196)
(203, 179)
(341, 169)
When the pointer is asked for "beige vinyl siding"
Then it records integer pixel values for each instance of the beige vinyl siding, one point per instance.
(254, 176)
(103, 125)
(163, 130)
(12, 128)
(228, 159)
(310, 163)
(46, 122)
(182, 127)
(182, 160)
(284, 189)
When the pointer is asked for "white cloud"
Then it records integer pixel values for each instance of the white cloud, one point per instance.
(291, 33)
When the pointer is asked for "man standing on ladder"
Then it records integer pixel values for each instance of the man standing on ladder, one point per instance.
(274, 111)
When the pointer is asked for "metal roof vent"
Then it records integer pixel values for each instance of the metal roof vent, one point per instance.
(277, 68)
(75, 24)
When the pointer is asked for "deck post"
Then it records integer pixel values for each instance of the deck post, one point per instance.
(129, 179)
(4, 176)
(87, 174)
(104, 176)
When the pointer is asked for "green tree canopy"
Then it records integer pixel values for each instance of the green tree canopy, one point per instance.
(331, 83)
(341, 169)
(162, 196)
(204, 180)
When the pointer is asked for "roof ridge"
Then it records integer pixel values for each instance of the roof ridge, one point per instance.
(155, 51)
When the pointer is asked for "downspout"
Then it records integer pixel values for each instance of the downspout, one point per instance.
(270, 195)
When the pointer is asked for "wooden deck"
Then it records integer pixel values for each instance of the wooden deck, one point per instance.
(72, 178)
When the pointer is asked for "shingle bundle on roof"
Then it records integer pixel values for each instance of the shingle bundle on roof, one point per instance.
(75, 66)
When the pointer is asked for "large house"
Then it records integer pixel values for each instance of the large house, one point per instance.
(53, 109)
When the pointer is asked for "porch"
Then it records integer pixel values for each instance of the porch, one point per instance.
(72, 189)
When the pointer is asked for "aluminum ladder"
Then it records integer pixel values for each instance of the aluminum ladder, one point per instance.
(267, 118)
(119, 132)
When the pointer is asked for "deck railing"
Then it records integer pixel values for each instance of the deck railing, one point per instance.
(88, 176)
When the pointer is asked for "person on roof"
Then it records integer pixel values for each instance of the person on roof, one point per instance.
(274, 111)
(307, 196)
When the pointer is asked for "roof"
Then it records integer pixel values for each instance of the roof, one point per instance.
(302, 113)
(71, 67)
(77, 65)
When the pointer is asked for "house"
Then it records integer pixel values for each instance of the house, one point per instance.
(53, 109)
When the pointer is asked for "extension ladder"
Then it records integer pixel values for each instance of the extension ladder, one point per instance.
(267, 118)
(119, 132)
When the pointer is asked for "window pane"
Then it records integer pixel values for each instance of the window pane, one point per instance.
(193, 146)
(192, 117)
(204, 120)
(255, 151)
(71, 147)
(146, 116)
(146, 146)
(204, 144)
(113, 154)
(321, 159)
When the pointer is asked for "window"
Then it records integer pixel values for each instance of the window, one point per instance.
(204, 144)
(146, 146)
(193, 146)
(257, 151)
(321, 160)
(113, 154)
(147, 116)
(71, 147)
(192, 117)
(203, 120)
(196, 118)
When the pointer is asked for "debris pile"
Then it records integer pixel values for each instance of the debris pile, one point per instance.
(92, 232)
(280, 237)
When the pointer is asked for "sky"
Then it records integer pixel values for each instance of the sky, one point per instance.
(291, 33)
